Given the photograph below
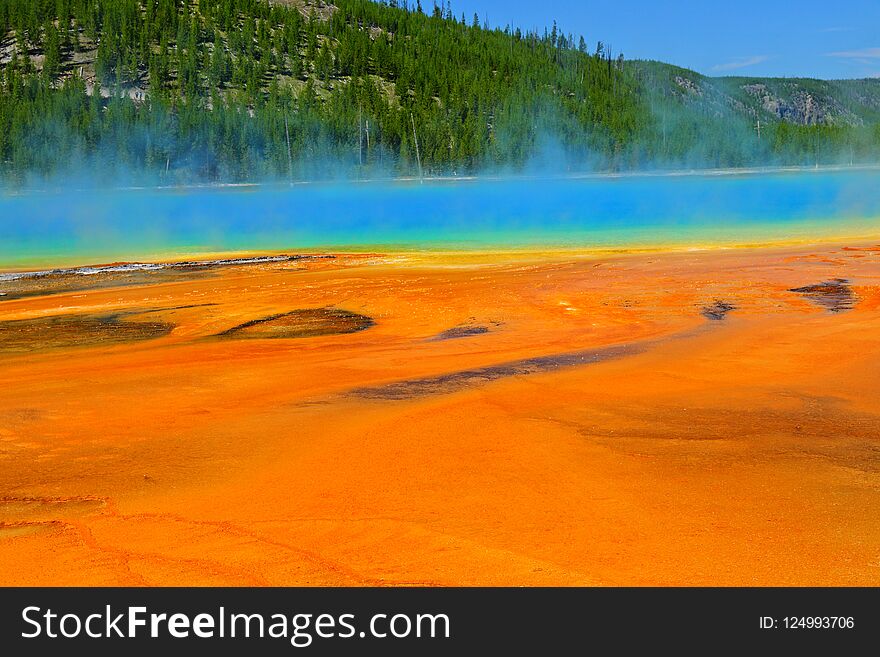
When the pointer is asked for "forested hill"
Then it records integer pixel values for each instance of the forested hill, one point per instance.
(236, 90)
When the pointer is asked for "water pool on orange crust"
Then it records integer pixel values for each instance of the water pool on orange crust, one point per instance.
(439, 446)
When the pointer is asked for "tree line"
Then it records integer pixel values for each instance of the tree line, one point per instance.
(236, 90)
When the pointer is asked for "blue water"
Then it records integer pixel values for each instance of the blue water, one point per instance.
(77, 227)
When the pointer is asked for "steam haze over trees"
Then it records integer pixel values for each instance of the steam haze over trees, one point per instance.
(244, 90)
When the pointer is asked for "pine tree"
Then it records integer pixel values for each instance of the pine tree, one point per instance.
(52, 47)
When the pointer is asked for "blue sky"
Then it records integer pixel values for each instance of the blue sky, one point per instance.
(810, 38)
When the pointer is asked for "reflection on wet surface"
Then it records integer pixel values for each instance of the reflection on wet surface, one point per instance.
(835, 295)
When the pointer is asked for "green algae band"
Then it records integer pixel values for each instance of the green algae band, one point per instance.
(304, 323)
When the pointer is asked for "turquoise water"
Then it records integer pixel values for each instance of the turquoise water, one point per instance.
(85, 226)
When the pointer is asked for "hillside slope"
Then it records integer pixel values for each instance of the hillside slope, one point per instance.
(799, 101)
(254, 89)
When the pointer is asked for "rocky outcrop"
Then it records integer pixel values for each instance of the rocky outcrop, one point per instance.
(799, 101)
(688, 85)
(801, 107)
(322, 10)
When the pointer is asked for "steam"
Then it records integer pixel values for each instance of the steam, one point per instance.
(585, 212)
(161, 188)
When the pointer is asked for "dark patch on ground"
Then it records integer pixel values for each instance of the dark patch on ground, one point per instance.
(461, 332)
(21, 415)
(162, 310)
(820, 427)
(455, 381)
(13, 529)
(303, 323)
(25, 505)
(26, 515)
(60, 281)
(85, 330)
(835, 295)
(94, 270)
(718, 310)
(24, 288)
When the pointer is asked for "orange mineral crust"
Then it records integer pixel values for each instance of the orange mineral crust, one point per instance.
(696, 418)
